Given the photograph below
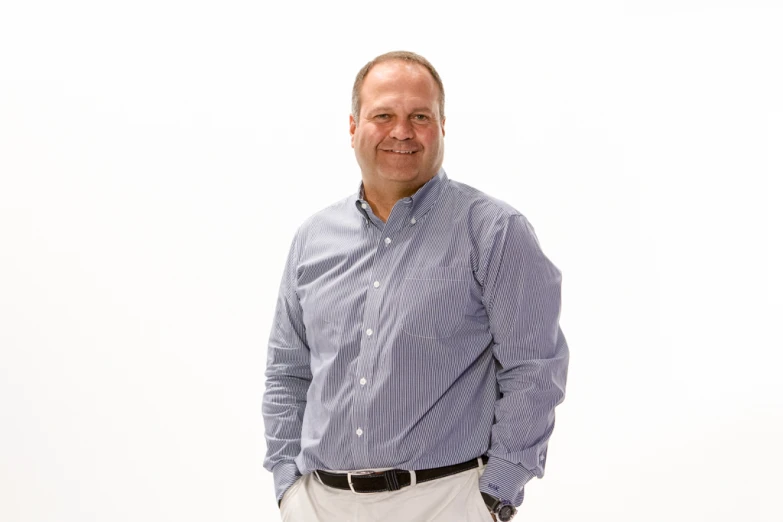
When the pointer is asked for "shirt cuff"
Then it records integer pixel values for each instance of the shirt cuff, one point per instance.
(505, 480)
(285, 474)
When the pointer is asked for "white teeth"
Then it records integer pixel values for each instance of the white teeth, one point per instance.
(403, 151)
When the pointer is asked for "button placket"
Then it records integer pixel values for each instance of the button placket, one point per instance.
(371, 343)
(364, 370)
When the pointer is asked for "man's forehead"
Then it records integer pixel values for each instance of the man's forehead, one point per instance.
(392, 68)
(400, 81)
(397, 76)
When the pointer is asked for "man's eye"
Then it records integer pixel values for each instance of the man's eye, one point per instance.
(420, 117)
(382, 116)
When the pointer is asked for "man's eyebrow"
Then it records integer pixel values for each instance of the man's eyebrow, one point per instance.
(389, 109)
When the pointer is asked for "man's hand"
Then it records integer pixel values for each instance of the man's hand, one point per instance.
(491, 513)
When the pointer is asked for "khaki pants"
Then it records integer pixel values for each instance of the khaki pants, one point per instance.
(455, 498)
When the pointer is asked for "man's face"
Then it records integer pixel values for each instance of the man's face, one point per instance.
(398, 137)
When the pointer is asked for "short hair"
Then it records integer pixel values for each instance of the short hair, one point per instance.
(404, 56)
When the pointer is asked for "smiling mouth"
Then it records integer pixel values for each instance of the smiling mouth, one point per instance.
(402, 151)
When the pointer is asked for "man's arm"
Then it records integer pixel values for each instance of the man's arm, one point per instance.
(287, 379)
(522, 299)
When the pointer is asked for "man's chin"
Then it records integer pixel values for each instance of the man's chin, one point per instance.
(403, 175)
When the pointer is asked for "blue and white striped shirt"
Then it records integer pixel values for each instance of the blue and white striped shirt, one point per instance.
(424, 341)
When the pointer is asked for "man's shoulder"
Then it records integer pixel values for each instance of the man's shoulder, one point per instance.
(480, 205)
(333, 214)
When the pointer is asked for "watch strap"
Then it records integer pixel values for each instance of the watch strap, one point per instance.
(504, 511)
(492, 502)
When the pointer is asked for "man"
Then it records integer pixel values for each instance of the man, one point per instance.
(415, 359)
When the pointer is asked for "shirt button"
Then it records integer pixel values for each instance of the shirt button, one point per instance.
(364, 205)
(362, 381)
(376, 284)
(387, 240)
(359, 432)
(369, 331)
(413, 221)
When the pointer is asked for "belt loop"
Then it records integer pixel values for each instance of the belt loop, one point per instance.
(481, 463)
(413, 477)
(319, 478)
(350, 484)
(391, 480)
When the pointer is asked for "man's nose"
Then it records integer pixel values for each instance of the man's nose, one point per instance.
(403, 129)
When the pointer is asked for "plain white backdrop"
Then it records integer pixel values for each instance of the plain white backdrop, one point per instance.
(156, 158)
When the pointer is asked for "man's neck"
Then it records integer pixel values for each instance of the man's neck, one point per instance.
(383, 198)
(382, 203)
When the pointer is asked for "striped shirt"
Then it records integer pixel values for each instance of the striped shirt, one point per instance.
(421, 342)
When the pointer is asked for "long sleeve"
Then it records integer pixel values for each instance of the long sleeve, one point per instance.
(522, 299)
(288, 378)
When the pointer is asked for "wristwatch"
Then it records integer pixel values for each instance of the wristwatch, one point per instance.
(504, 511)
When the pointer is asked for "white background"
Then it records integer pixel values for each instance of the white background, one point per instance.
(157, 156)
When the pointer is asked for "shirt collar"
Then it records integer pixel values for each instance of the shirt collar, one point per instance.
(421, 201)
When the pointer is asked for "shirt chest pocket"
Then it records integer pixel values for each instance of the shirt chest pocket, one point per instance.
(432, 302)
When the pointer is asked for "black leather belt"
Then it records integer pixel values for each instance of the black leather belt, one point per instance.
(393, 479)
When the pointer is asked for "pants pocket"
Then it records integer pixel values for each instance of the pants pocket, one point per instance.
(286, 499)
(485, 515)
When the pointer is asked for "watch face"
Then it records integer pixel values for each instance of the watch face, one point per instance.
(506, 513)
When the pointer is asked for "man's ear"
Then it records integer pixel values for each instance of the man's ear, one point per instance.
(443, 126)
(352, 128)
